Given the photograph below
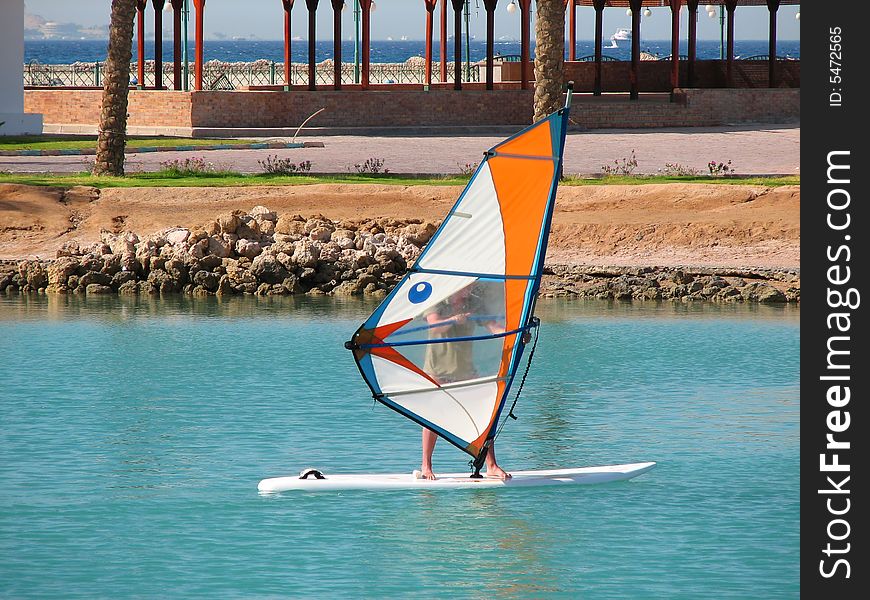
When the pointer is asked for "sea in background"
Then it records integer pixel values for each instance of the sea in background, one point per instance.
(133, 432)
(70, 51)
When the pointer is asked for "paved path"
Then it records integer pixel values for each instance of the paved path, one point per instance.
(752, 149)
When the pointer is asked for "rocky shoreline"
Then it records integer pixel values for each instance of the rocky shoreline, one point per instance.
(257, 252)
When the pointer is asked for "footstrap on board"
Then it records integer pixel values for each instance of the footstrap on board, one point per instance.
(308, 472)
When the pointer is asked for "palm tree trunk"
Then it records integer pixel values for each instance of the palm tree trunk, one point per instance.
(116, 82)
(549, 56)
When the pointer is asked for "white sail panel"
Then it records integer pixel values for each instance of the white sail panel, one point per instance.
(395, 378)
(464, 411)
(471, 239)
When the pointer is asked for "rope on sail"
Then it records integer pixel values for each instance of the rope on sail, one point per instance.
(522, 382)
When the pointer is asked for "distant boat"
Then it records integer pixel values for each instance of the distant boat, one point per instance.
(621, 34)
(404, 38)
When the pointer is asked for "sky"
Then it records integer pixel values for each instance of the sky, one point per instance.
(263, 19)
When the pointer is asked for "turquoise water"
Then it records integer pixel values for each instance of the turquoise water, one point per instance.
(133, 434)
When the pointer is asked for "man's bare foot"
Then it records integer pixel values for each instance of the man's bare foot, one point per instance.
(427, 473)
(497, 472)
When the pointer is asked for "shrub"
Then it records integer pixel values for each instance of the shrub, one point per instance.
(284, 166)
(678, 170)
(624, 166)
(720, 169)
(189, 166)
(371, 165)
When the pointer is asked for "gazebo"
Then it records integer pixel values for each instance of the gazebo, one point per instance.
(635, 6)
(430, 6)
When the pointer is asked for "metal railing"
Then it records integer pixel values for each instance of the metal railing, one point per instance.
(229, 76)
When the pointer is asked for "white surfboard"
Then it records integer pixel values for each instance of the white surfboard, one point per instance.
(584, 475)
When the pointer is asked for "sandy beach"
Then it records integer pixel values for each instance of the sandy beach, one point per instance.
(662, 225)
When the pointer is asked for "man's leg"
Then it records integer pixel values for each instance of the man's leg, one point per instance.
(492, 468)
(429, 439)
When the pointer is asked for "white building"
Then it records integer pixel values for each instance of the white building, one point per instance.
(13, 119)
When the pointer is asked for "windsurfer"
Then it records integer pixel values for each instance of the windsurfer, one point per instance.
(453, 361)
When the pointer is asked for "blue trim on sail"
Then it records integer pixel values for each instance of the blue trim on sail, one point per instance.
(471, 338)
(469, 274)
(368, 371)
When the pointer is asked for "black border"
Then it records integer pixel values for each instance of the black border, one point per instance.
(826, 128)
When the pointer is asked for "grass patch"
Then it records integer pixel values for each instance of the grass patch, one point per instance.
(80, 142)
(648, 179)
(171, 178)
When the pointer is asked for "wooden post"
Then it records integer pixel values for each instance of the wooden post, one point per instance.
(675, 45)
(772, 6)
(599, 40)
(140, 43)
(442, 46)
(199, 5)
(730, 7)
(489, 6)
(457, 43)
(635, 48)
(177, 5)
(430, 19)
(366, 6)
(158, 43)
(525, 36)
(288, 55)
(312, 39)
(337, 5)
(693, 41)
(572, 29)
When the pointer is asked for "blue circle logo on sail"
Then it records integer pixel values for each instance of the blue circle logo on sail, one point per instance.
(420, 292)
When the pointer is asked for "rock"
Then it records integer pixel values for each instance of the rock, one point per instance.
(225, 287)
(68, 249)
(219, 247)
(419, 234)
(321, 234)
(348, 288)
(249, 230)
(122, 277)
(199, 250)
(268, 269)
(211, 228)
(292, 285)
(111, 264)
(329, 252)
(90, 262)
(162, 282)
(261, 213)
(177, 269)
(306, 253)
(60, 270)
(318, 222)
(291, 225)
(94, 277)
(129, 288)
(762, 292)
(95, 289)
(177, 236)
(248, 248)
(229, 223)
(267, 228)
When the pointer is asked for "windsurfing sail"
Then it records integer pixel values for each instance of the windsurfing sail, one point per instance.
(443, 347)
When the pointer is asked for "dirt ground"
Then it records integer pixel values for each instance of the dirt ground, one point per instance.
(728, 226)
